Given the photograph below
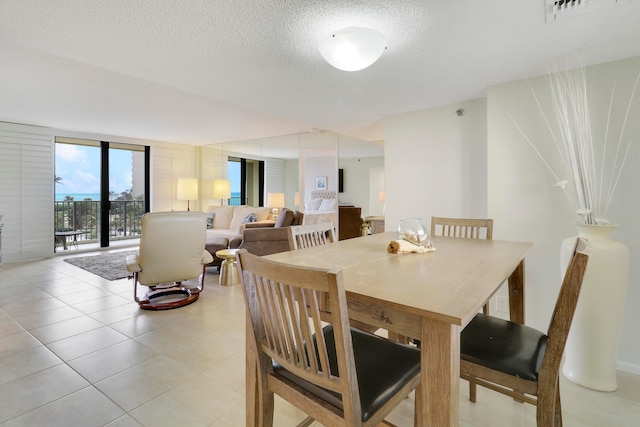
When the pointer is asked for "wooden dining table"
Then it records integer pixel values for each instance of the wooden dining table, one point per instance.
(430, 296)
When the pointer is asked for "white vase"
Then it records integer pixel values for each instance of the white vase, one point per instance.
(592, 347)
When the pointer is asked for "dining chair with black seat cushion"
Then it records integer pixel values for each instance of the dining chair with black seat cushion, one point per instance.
(520, 361)
(336, 374)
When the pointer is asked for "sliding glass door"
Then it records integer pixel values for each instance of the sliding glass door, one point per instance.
(101, 190)
(247, 181)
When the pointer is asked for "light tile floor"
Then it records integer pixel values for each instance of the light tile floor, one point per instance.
(76, 350)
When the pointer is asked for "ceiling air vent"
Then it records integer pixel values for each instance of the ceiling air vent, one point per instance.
(560, 9)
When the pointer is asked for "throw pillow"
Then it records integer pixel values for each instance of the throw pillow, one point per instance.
(328, 205)
(210, 217)
(250, 218)
(312, 204)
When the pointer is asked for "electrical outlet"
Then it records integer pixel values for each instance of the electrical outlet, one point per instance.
(502, 304)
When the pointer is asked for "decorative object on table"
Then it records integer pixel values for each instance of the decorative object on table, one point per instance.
(321, 182)
(110, 266)
(412, 230)
(404, 247)
(594, 172)
(591, 353)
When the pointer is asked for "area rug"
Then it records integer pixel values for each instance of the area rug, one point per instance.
(111, 266)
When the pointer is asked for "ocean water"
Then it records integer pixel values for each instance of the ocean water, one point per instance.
(78, 197)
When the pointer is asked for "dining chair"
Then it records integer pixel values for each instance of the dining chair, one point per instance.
(326, 371)
(520, 361)
(309, 235)
(466, 228)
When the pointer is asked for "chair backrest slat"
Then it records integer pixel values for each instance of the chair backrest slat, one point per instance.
(310, 235)
(467, 228)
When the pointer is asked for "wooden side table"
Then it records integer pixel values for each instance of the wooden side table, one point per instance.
(228, 270)
(377, 224)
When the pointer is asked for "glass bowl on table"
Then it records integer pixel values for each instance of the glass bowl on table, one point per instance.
(412, 230)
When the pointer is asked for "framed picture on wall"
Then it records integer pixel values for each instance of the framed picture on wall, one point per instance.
(321, 182)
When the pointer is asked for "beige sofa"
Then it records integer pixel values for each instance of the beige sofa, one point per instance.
(226, 222)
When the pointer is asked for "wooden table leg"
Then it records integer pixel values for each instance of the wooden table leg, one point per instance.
(440, 370)
(516, 294)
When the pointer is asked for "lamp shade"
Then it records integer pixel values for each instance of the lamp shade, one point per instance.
(187, 189)
(297, 199)
(275, 200)
(353, 48)
(221, 189)
(382, 195)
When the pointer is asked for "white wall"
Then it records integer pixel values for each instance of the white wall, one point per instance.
(524, 204)
(435, 163)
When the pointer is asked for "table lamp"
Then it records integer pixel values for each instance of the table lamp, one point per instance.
(187, 190)
(275, 201)
(221, 189)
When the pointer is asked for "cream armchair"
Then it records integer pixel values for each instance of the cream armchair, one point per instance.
(171, 252)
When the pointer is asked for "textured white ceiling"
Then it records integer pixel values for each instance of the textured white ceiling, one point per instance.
(203, 71)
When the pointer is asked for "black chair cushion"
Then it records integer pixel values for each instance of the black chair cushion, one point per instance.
(383, 368)
(503, 346)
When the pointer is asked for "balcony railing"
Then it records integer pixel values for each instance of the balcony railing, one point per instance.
(236, 201)
(125, 219)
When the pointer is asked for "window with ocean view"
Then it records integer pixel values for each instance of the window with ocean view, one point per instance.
(79, 190)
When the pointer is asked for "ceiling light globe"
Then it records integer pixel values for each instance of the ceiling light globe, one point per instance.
(353, 48)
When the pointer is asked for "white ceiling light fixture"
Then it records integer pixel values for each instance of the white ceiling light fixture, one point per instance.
(353, 48)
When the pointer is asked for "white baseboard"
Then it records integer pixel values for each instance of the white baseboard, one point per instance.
(629, 367)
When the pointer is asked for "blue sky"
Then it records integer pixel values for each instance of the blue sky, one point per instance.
(233, 173)
(79, 167)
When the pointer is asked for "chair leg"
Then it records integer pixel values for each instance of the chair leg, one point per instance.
(548, 412)
(473, 387)
(558, 406)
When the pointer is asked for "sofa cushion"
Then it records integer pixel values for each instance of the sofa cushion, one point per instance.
(285, 218)
(241, 212)
(223, 216)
